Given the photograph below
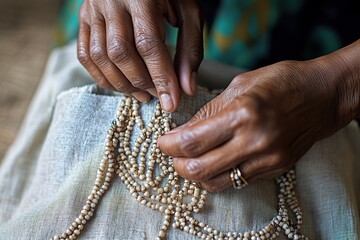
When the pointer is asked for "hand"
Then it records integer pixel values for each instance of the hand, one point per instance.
(263, 123)
(122, 45)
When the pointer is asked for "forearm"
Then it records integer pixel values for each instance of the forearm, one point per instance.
(342, 71)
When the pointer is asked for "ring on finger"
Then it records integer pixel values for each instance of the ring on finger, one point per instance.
(237, 179)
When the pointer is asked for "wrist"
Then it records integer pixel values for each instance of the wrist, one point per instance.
(341, 71)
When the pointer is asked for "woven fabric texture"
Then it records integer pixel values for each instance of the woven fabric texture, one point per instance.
(50, 169)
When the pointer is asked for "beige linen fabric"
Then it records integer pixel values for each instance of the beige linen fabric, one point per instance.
(49, 171)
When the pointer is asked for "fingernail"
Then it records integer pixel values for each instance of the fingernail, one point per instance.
(193, 84)
(152, 91)
(141, 96)
(166, 102)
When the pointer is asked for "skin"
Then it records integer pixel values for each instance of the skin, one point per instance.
(122, 46)
(264, 121)
(267, 119)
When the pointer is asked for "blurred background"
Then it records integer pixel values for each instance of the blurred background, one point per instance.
(27, 32)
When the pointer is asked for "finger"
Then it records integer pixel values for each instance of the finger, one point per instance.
(98, 54)
(208, 110)
(265, 166)
(271, 174)
(212, 126)
(83, 54)
(214, 162)
(193, 140)
(218, 183)
(150, 43)
(189, 49)
(122, 51)
(223, 181)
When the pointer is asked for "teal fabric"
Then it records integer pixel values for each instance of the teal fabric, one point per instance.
(68, 22)
(253, 33)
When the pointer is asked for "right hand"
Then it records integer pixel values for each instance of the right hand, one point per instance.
(122, 45)
(266, 120)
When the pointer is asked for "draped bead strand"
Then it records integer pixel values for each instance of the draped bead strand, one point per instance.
(151, 179)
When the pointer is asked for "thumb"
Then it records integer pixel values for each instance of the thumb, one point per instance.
(208, 110)
(189, 49)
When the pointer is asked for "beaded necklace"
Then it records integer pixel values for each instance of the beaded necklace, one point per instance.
(152, 180)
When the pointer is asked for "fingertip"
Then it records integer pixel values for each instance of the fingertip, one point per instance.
(175, 98)
(193, 84)
(161, 143)
(188, 79)
(167, 103)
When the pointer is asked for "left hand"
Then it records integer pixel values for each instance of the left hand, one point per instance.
(264, 122)
(121, 44)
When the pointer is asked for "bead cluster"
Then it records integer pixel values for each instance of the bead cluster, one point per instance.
(150, 177)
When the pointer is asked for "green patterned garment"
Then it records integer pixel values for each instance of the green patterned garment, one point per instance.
(254, 33)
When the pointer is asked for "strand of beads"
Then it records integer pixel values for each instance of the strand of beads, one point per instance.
(102, 183)
(150, 177)
(160, 188)
(282, 221)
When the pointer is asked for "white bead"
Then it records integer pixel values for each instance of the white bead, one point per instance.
(162, 234)
(165, 189)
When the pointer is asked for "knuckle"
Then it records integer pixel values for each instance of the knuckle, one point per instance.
(238, 79)
(248, 110)
(83, 14)
(147, 45)
(118, 51)
(194, 171)
(161, 83)
(261, 122)
(97, 53)
(189, 145)
(262, 142)
(120, 86)
(253, 112)
(139, 82)
(242, 111)
(94, 4)
(83, 56)
(242, 81)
